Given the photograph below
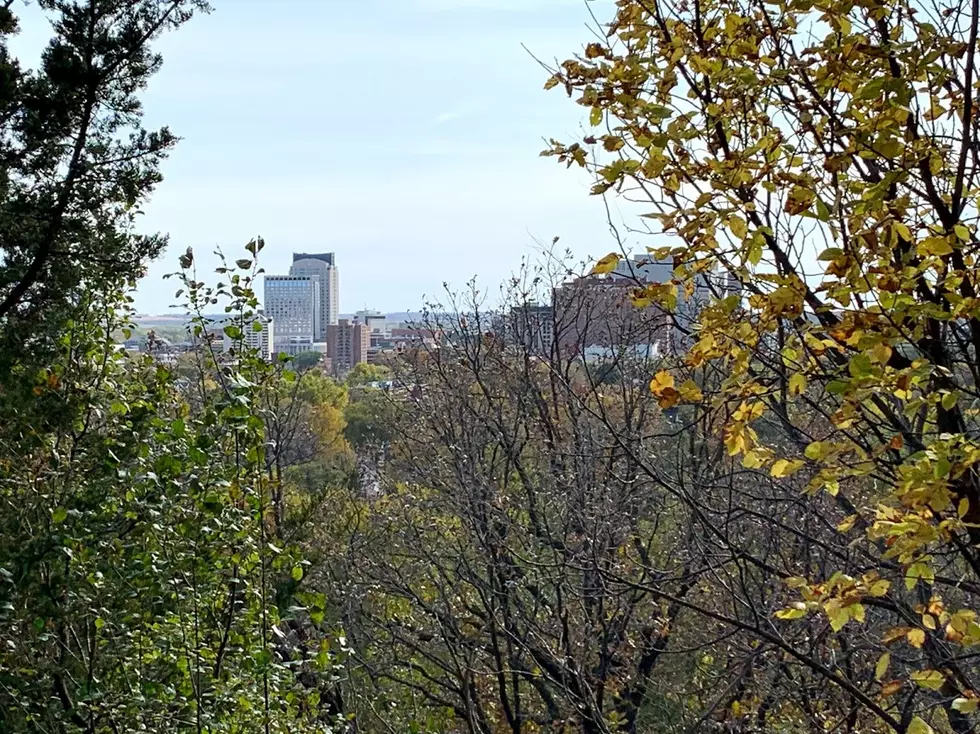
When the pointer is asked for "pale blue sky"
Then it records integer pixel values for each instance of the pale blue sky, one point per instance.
(401, 134)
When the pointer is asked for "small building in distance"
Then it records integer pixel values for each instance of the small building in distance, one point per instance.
(257, 334)
(595, 315)
(348, 342)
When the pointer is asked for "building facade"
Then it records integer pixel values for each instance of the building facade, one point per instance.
(293, 302)
(322, 266)
(529, 325)
(597, 315)
(348, 343)
(259, 335)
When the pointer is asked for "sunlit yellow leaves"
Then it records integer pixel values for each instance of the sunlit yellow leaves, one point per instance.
(606, 264)
(784, 468)
(739, 438)
(840, 613)
(749, 411)
(796, 610)
(934, 246)
(919, 571)
(662, 387)
(847, 356)
(931, 679)
(756, 458)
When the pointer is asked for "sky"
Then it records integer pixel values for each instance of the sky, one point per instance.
(403, 135)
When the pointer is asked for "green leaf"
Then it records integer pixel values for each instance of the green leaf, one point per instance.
(233, 332)
(59, 515)
(860, 365)
(658, 111)
(595, 117)
(297, 573)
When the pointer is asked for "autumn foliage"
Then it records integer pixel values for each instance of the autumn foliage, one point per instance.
(826, 155)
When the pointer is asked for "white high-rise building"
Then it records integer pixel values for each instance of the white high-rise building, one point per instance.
(324, 267)
(293, 303)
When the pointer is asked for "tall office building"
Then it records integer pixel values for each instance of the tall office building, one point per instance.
(293, 303)
(324, 267)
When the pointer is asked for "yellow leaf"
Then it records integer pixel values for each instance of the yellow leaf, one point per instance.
(838, 618)
(963, 507)
(916, 637)
(606, 264)
(965, 705)
(919, 570)
(755, 459)
(882, 667)
(931, 679)
(738, 226)
(918, 726)
(847, 523)
(690, 392)
(879, 587)
(934, 246)
(661, 381)
(797, 383)
(783, 468)
(816, 450)
(794, 611)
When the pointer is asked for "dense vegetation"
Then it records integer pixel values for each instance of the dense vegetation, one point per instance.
(771, 525)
